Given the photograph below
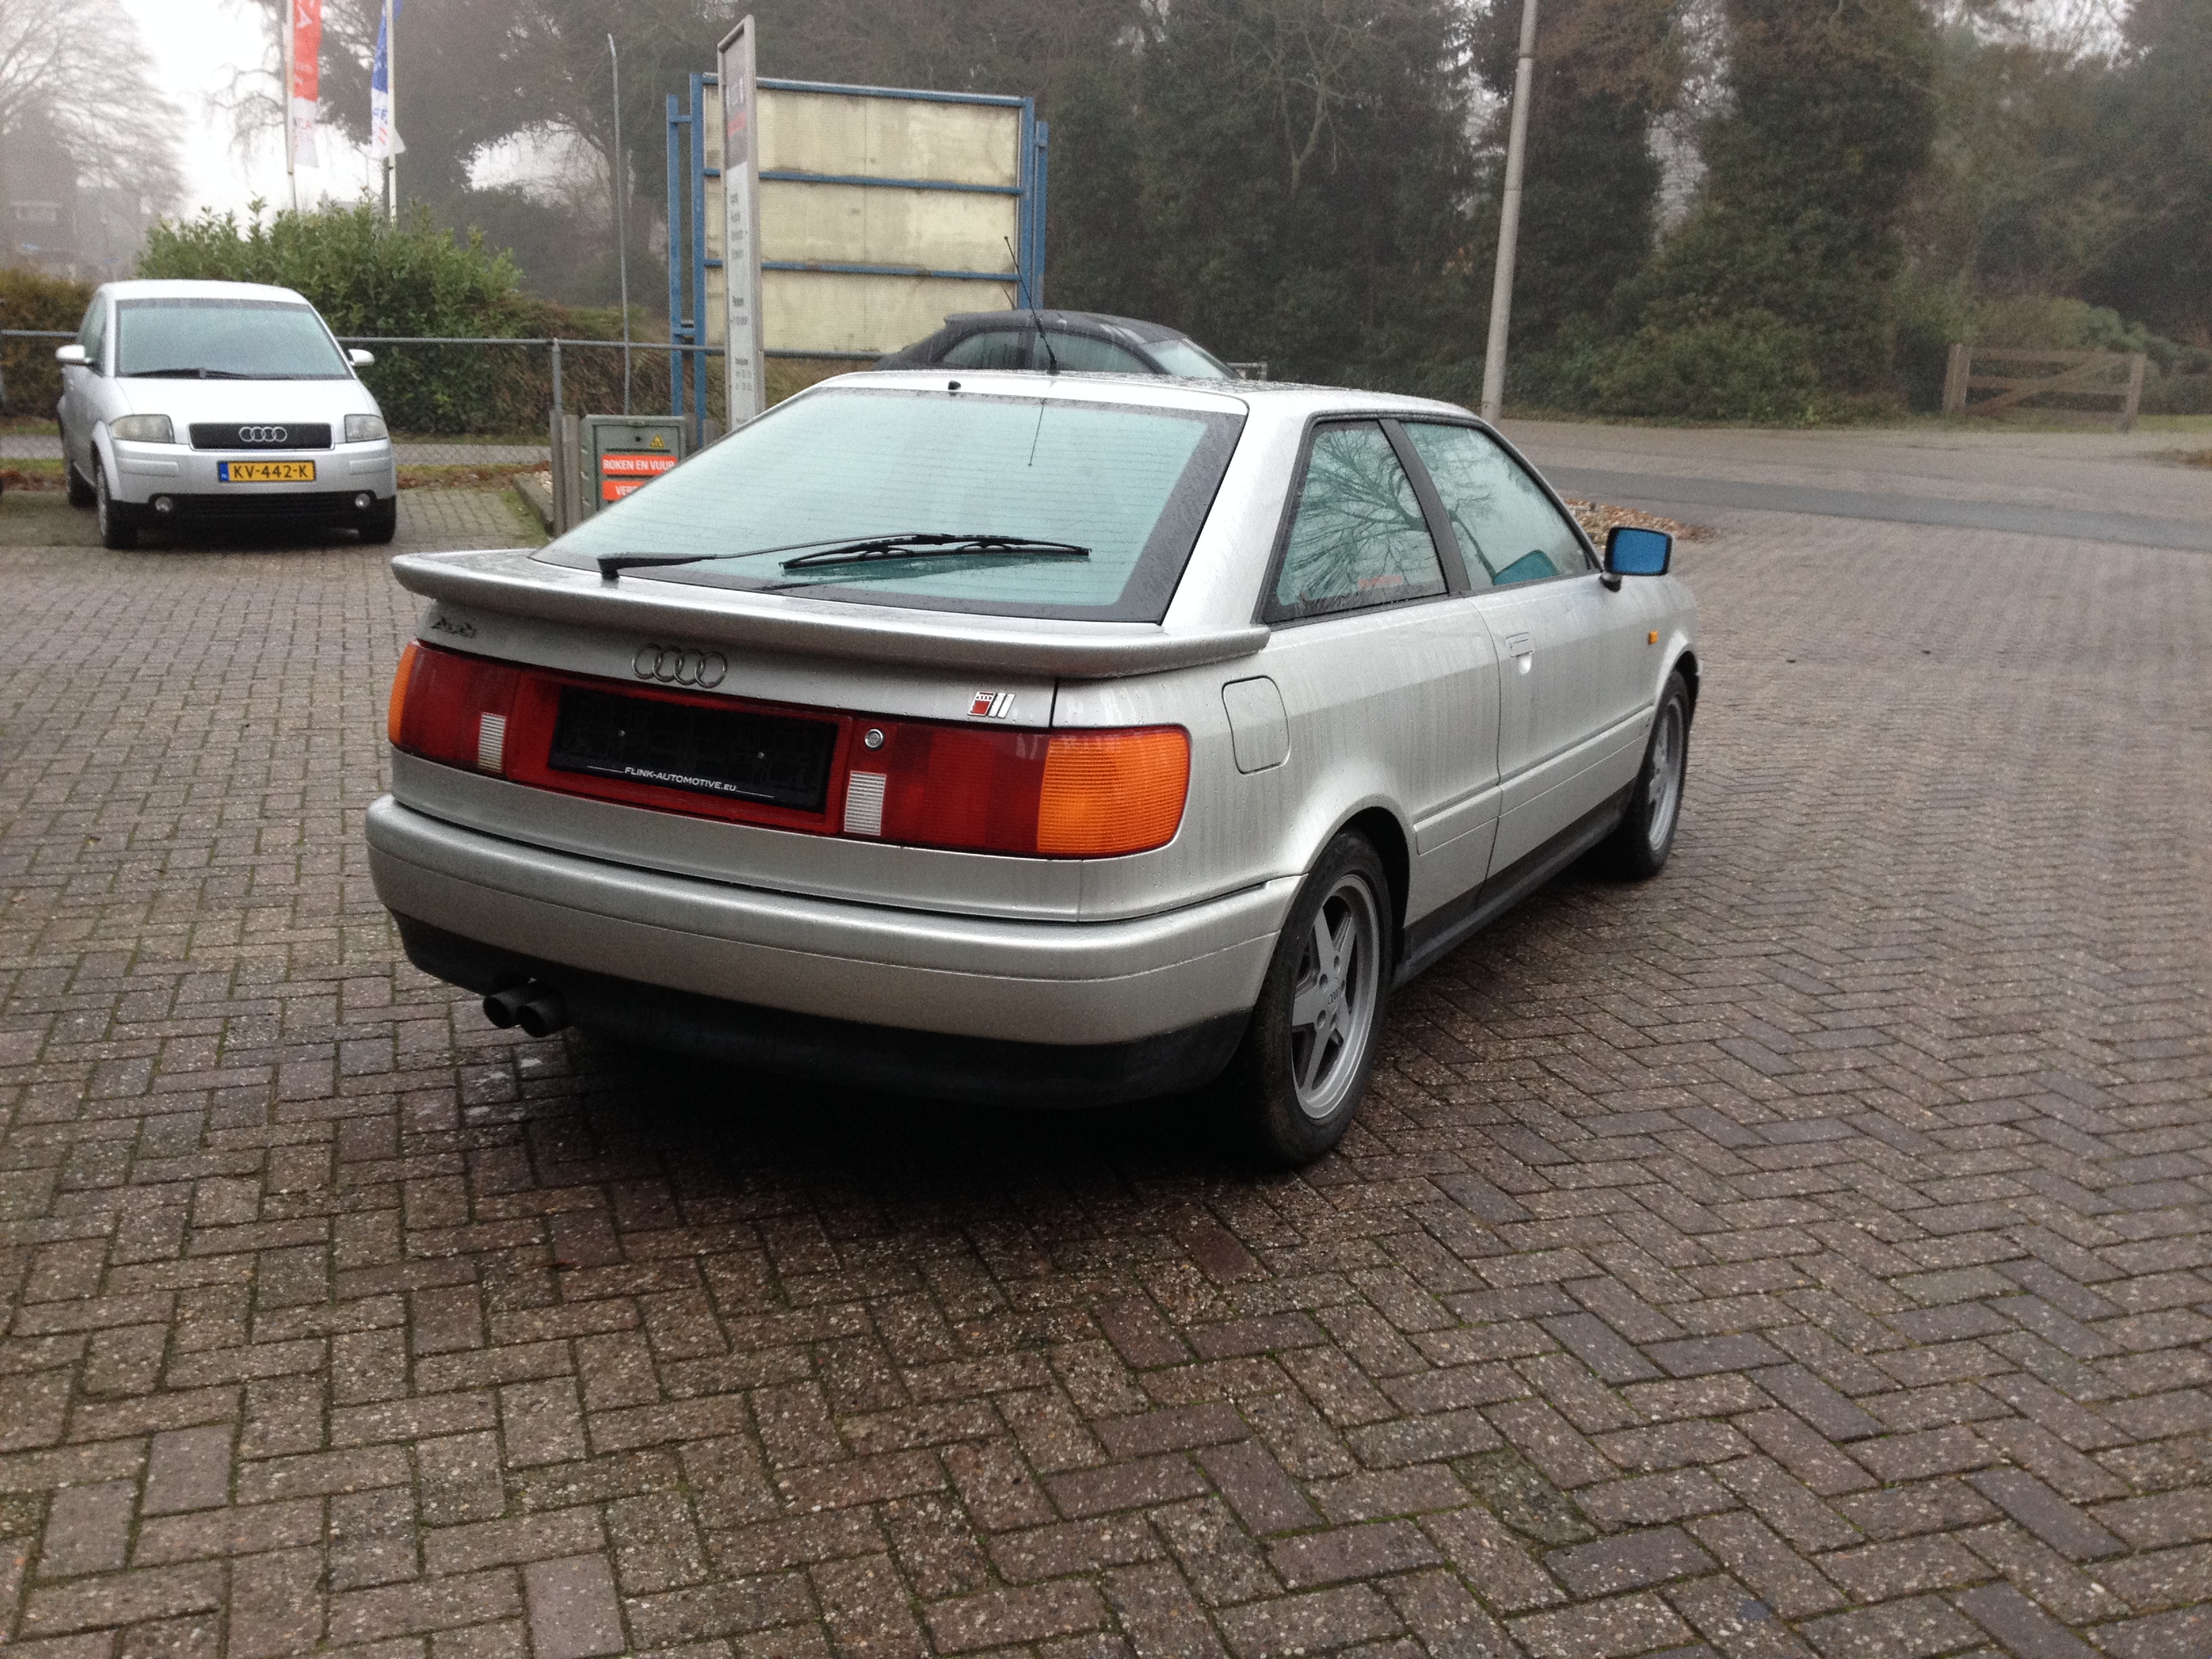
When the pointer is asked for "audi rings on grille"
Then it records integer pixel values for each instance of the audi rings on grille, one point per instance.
(672, 665)
(263, 434)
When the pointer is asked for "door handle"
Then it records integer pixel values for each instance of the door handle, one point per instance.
(1522, 647)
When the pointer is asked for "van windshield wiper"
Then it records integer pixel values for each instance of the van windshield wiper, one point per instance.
(846, 549)
(198, 375)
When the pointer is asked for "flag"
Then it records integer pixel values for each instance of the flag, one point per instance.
(306, 78)
(384, 138)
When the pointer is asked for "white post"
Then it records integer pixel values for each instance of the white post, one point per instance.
(1509, 221)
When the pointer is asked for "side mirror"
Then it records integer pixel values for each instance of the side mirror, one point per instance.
(360, 359)
(1629, 551)
(71, 357)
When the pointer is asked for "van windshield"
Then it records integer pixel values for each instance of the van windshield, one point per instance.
(1127, 485)
(224, 340)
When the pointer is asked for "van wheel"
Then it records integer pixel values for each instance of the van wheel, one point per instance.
(1306, 1057)
(1639, 848)
(382, 524)
(118, 524)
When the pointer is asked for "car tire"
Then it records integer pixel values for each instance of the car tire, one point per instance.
(1638, 848)
(382, 523)
(80, 492)
(118, 524)
(1304, 1063)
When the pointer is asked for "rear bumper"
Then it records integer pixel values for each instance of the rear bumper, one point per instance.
(1046, 984)
(752, 1038)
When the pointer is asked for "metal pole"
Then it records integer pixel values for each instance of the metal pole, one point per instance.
(1509, 221)
(557, 472)
(619, 174)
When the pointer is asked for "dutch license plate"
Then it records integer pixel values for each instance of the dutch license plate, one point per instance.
(265, 472)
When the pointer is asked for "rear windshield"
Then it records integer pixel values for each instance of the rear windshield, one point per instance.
(225, 339)
(1130, 484)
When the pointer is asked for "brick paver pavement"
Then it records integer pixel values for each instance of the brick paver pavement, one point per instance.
(1805, 1254)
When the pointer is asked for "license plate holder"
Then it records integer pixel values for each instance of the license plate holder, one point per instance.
(265, 472)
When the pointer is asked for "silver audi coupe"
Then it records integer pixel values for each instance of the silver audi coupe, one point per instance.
(1048, 740)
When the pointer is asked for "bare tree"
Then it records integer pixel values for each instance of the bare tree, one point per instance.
(77, 80)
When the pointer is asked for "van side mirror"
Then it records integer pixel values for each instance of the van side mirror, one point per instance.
(360, 359)
(1629, 551)
(71, 357)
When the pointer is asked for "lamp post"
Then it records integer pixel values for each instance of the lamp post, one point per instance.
(1509, 220)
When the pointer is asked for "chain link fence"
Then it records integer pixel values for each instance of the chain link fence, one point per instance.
(461, 410)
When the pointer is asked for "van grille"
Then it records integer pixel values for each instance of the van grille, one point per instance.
(232, 435)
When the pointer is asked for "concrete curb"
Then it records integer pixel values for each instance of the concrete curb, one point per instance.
(536, 497)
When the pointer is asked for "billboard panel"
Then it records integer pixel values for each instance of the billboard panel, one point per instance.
(845, 221)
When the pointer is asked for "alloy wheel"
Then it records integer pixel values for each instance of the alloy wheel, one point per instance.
(1333, 996)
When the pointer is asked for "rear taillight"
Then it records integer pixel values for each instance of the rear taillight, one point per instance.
(451, 708)
(971, 788)
(1088, 794)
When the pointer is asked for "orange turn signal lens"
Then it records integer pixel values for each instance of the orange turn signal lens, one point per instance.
(1110, 793)
(395, 712)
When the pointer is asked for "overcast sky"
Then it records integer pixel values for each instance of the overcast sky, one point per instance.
(197, 47)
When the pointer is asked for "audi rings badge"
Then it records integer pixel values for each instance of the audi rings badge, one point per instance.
(263, 434)
(672, 665)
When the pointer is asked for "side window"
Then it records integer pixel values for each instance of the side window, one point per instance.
(93, 334)
(1085, 353)
(1358, 539)
(1507, 530)
(998, 347)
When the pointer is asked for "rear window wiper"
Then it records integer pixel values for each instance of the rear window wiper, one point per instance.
(933, 546)
(852, 551)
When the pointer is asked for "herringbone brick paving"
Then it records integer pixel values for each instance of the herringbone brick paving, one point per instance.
(1805, 1254)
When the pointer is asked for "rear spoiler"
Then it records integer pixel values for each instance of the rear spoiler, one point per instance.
(512, 582)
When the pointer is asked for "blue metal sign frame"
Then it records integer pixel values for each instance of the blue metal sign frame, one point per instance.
(689, 179)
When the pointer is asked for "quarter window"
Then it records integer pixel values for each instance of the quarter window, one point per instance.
(1507, 528)
(1086, 354)
(997, 348)
(93, 335)
(1358, 539)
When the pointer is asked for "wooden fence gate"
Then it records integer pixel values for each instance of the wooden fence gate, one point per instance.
(2078, 375)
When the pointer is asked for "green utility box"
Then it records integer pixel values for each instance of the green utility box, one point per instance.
(620, 454)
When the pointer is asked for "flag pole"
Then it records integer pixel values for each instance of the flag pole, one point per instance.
(391, 103)
(284, 105)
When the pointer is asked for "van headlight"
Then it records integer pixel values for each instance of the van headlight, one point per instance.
(365, 429)
(144, 429)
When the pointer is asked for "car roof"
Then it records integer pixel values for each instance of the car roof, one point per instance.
(1104, 320)
(1281, 398)
(180, 289)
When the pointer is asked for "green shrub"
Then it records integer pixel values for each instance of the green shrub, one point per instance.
(29, 300)
(370, 276)
(1752, 367)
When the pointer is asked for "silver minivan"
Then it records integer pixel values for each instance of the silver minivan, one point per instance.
(1046, 739)
(192, 402)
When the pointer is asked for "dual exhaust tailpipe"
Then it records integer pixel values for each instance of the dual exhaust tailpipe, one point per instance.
(537, 1008)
